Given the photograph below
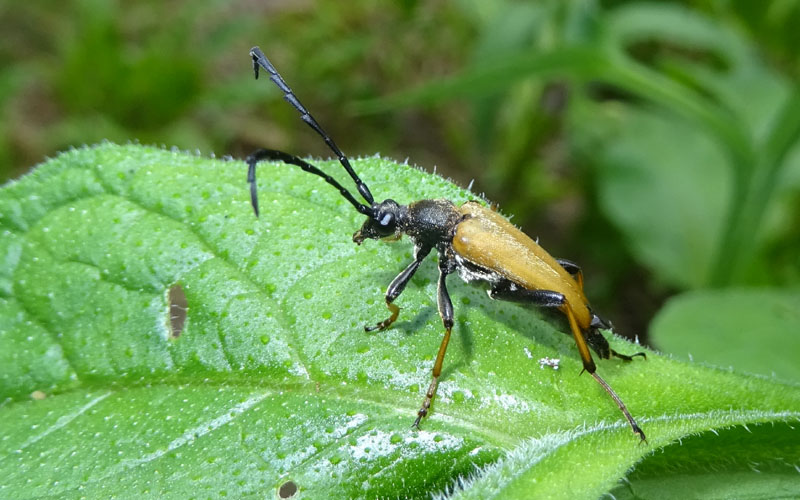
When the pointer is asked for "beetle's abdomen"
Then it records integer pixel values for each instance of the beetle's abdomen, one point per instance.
(488, 240)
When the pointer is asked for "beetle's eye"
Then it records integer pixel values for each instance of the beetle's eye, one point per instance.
(386, 219)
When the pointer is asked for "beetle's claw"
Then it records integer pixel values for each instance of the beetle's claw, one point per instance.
(638, 431)
(626, 357)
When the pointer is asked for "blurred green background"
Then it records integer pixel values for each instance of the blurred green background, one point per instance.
(653, 143)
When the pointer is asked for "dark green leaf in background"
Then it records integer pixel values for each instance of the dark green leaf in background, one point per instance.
(755, 330)
(273, 379)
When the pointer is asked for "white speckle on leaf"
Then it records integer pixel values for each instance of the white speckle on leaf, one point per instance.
(355, 421)
(447, 389)
(378, 444)
(511, 403)
(298, 369)
(551, 362)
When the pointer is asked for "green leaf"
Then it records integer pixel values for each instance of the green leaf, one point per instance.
(272, 381)
(743, 462)
(752, 329)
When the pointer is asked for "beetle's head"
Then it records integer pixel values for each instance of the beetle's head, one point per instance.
(383, 222)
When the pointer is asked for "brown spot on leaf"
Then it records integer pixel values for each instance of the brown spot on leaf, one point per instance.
(177, 310)
(287, 489)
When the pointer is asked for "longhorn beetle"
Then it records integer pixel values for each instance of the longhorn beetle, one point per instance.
(470, 239)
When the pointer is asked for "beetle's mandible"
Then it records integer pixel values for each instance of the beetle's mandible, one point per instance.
(476, 242)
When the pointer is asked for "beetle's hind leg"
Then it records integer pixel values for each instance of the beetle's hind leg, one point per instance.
(546, 298)
(626, 357)
(573, 269)
(396, 287)
(509, 291)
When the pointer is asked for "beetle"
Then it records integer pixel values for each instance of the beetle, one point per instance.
(476, 242)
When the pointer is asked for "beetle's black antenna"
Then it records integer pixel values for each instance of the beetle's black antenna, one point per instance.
(270, 154)
(260, 60)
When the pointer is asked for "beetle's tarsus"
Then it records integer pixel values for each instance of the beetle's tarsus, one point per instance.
(426, 403)
(637, 430)
(626, 357)
(383, 325)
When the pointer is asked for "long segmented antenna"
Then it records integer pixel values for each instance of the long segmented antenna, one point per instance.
(270, 154)
(260, 60)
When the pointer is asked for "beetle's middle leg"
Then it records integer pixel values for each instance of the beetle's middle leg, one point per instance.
(397, 286)
(446, 312)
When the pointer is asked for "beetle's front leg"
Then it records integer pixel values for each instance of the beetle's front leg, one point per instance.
(446, 312)
(397, 286)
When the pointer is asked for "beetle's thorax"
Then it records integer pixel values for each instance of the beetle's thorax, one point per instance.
(432, 223)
